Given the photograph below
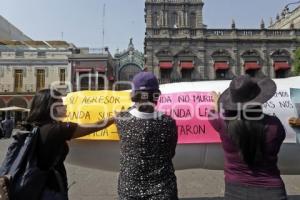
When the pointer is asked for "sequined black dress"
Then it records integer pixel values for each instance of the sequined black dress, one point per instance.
(148, 143)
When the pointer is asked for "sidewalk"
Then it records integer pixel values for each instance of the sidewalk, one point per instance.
(13, 132)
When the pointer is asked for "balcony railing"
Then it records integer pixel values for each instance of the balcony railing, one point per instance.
(222, 33)
(174, 1)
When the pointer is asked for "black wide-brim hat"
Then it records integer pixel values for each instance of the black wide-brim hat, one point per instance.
(246, 92)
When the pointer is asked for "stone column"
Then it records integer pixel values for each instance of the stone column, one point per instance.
(176, 71)
(155, 65)
(211, 70)
(267, 65)
(272, 71)
(149, 54)
(238, 69)
(199, 17)
(160, 19)
(96, 81)
(186, 19)
(149, 14)
(202, 63)
(166, 19)
(90, 81)
(77, 81)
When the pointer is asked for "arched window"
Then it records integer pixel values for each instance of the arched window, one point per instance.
(252, 63)
(192, 20)
(221, 59)
(126, 73)
(174, 20)
(281, 68)
(281, 63)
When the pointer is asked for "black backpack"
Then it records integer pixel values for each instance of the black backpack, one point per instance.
(20, 175)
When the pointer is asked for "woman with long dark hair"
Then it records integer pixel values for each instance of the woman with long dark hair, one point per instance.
(251, 140)
(148, 139)
(46, 112)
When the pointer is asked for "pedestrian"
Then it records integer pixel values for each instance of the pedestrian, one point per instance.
(148, 140)
(46, 112)
(8, 126)
(251, 140)
(1, 130)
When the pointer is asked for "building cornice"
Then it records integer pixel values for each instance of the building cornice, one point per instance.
(222, 34)
(287, 19)
(33, 62)
(17, 94)
(200, 2)
(88, 57)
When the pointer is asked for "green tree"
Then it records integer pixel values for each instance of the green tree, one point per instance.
(296, 63)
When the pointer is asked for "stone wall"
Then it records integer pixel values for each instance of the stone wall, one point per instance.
(166, 43)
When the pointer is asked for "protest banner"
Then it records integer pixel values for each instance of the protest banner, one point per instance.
(88, 107)
(282, 106)
(190, 110)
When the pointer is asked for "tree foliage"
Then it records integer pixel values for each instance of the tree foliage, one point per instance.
(296, 63)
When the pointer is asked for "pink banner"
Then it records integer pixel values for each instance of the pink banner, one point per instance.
(190, 110)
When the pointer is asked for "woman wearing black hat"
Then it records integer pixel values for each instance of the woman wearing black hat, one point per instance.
(148, 140)
(251, 140)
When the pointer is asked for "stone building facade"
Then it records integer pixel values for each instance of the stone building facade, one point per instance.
(127, 64)
(28, 66)
(179, 47)
(92, 69)
(288, 19)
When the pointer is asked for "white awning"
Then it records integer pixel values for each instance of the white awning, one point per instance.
(14, 108)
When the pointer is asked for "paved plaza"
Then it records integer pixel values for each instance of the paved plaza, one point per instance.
(198, 184)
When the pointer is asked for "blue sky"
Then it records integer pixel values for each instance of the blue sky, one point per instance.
(81, 20)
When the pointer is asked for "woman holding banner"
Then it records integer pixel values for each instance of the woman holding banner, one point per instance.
(251, 140)
(148, 140)
(47, 111)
